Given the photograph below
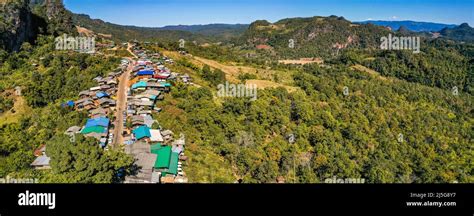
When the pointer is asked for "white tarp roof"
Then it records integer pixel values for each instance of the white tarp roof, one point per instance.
(156, 136)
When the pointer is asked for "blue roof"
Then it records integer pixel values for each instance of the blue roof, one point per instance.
(142, 132)
(145, 72)
(101, 94)
(102, 121)
(69, 104)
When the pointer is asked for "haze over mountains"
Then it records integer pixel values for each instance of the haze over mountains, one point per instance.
(411, 25)
(226, 32)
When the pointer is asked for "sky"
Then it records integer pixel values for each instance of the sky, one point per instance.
(158, 13)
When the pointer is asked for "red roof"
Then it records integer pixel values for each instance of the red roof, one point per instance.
(160, 77)
(39, 151)
(263, 46)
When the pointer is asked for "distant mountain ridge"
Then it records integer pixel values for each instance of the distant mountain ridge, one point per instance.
(410, 25)
(208, 28)
(461, 33)
(212, 32)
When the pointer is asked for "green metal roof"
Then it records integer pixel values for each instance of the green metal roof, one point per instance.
(173, 163)
(155, 148)
(95, 129)
(163, 157)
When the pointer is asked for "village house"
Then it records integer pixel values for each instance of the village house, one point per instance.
(84, 94)
(137, 104)
(166, 163)
(99, 112)
(106, 102)
(144, 112)
(111, 91)
(178, 145)
(148, 120)
(186, 78)
(142, 133)
(145, 74)
(85, 104)
(162, 86)
(73, 130)
(137, 120)
(42, 160)
(139, 86)
(156, 136)
(112, 83)
(94, 89)
(102, 94)
(98, 79)
(167, 135)
(105, 87)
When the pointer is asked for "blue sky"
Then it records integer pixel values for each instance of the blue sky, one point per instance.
(157, 13)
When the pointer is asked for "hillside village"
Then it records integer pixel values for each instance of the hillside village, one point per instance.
(126, 122)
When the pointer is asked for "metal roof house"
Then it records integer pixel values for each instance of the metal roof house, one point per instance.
(103, 122)
(42, 160)
(166, 161)
(142, 132)
(94, 129)
(73, 130)
(156, 136)
(139, 85)
(145, 73)
(102, 95)
(106, 102)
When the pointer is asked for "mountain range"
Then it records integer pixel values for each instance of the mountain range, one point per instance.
(22, 20)
(411, 25)
(238, 32)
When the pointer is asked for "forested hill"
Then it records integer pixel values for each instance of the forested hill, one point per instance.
(461, 33)
(313, 37)
(327, 36)
(125, 33)
(225, 31)
(411, 25)
(199, 33)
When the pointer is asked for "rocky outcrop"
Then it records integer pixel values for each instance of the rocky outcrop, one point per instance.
(17, 25)
(22, 20)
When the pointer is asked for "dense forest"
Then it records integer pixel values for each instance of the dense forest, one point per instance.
(354, 136)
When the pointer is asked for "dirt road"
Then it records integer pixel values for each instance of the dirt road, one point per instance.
(122, 101)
